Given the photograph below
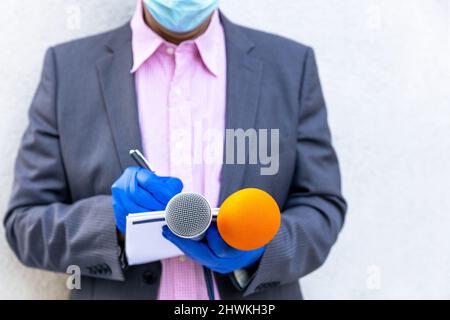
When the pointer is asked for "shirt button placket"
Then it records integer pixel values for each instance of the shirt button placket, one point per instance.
(180, 129)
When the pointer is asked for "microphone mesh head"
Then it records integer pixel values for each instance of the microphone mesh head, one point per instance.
(188, 215)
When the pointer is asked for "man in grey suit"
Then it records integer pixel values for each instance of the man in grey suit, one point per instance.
(84, 120)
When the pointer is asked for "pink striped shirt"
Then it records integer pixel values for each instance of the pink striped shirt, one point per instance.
(181, 93)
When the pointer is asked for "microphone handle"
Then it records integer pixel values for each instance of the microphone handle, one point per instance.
(215, 213)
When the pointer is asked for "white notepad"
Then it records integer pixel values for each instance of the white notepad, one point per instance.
(144, 240)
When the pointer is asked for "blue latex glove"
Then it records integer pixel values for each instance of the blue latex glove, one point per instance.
(213, 252)
(139, 190)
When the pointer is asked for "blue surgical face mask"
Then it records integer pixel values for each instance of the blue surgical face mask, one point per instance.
(181, 15)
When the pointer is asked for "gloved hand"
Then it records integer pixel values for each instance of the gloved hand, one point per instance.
(139, 190)
(213, 252)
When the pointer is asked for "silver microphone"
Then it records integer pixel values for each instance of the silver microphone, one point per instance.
(189, 215)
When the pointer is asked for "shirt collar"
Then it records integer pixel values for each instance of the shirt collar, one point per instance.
(145, 41)
(208, 44)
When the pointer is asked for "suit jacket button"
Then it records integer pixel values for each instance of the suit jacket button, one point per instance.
(149, 277)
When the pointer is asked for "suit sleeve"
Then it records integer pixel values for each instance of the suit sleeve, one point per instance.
(315, 209)
(43, 226)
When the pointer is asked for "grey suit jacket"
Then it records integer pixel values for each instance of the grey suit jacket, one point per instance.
(83, 121)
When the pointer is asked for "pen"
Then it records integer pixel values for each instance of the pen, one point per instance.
(140, 160)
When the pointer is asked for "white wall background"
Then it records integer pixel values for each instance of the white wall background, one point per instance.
(386, 75)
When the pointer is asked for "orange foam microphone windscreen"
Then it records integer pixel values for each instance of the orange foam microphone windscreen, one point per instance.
(249, 219)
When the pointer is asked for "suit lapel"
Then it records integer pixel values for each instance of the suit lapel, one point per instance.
(243, 87)
(119, 94)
